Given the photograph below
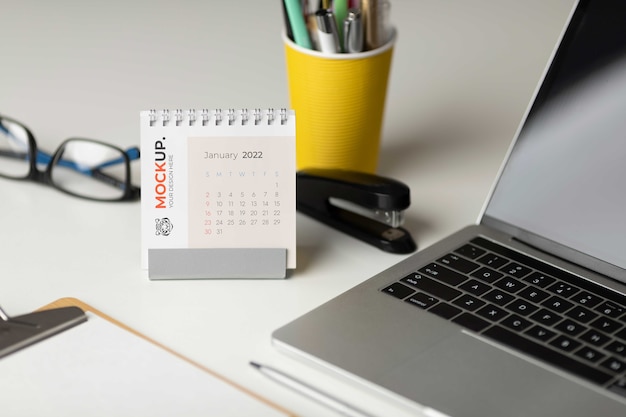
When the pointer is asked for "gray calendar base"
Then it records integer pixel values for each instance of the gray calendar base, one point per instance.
(217, 263)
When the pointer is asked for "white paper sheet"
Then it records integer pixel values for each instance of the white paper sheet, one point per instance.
(99, 369)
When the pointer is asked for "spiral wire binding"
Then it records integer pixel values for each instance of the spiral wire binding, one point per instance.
(231, 117)
(165, 117)
(245, 116)
(191, 116)
(178, 116)
(206, 117)
(258, 115)
(152, 116)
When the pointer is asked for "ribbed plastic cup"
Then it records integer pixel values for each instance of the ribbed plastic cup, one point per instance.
(339, 100)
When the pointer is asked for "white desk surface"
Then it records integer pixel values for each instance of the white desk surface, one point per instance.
(462, 75)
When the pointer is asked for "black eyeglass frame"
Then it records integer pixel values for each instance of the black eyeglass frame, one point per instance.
(131, 192)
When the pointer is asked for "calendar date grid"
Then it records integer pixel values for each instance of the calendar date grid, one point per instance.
(229, 211)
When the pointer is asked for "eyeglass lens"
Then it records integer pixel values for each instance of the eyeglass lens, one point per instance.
(90, 169)
(14, 159)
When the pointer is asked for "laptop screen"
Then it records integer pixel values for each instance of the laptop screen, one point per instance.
(563, 187)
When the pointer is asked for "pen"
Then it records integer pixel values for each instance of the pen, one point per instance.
(311, 25)
(376, 22)
(297, 23)
(288, 30)
(384, 26)
(327, 34)
(311, 392)
(340, 8)
(353, 32)
(368, 11)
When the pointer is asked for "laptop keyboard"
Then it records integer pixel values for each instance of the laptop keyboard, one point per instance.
(527, 305)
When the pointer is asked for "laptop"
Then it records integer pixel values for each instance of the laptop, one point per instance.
(523, 313)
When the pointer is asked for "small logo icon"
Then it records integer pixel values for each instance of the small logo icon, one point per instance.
(163, 226)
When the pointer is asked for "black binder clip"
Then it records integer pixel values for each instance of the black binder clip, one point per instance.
(366, 206)
(28, 329)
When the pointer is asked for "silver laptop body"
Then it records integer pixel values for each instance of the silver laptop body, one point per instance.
(525, 313)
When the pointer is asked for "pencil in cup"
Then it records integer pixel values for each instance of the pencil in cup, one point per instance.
(339, 100)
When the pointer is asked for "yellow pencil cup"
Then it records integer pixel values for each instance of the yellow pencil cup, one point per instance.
(339, 100)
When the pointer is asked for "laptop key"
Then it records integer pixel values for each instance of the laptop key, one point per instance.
(534, 349)
(443, 274)
(617, 347)
(487, 275)
(540, 333)
(539, 279)
(468, 302)
(509, 284)
(589, 354)
(546, 317)
(492, 313)
(492, 260)
(614, 365)
(606, 325)
(587, 299)
(563, 289)
(475, 287)
(595, 338)
(557, 304)
(422, 300)
(565, 343)
(398, 290)
(533, 294)
(470, 251)
(619, 386)
(516, 270)
(456, 262)
(522, 307)
(445, 310)
(471, 322)
(498, 297)
(581, 314)
(437, 289)
(570, 327)
(516, 322)
(610, 309)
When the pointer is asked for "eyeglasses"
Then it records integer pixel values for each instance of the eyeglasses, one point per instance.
(81, 167)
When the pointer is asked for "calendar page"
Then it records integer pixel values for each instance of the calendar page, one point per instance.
(239, 193)
(214, 179)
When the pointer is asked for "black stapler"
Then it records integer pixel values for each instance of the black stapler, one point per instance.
(366, 206)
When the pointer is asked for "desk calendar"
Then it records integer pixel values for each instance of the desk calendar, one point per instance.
(218, 193)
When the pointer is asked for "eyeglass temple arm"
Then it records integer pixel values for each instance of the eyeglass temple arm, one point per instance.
(132, 154)
(96, 172)
(114, 182)
(12, 154)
